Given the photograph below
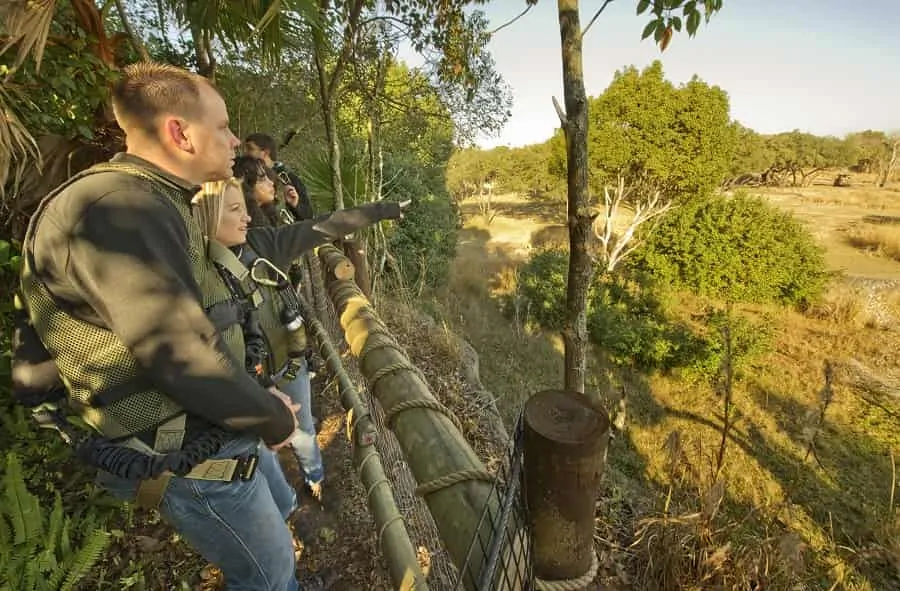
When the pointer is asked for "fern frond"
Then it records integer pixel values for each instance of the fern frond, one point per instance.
(5, 535)
(23, 508)
(54, 528)
(65, 537)
(94, 545)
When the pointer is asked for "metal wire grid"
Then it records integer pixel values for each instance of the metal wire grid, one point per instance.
(506, 562)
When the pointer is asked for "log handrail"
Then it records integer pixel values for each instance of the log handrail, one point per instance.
(453, 481)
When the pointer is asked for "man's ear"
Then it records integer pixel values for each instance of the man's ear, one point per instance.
(174, 130)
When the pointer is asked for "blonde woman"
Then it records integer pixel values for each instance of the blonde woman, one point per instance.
(268, 252)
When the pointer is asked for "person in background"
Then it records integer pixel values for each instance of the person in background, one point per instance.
(264, 147)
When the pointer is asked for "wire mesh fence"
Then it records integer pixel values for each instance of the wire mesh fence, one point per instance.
(435, 561)
(505, 558)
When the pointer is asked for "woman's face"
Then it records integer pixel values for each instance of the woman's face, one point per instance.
(233, 225)
(264, 189)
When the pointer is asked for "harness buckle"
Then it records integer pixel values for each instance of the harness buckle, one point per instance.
(246, 467)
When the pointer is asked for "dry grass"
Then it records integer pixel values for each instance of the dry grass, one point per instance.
(880, 239)
(857, 306)
(832, 212)
(785, 517)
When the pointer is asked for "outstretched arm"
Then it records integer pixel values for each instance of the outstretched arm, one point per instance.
(285, 243)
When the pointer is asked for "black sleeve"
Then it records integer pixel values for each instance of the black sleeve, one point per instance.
(35, 378)
(128, 259)
(304, 209)
(285, 243)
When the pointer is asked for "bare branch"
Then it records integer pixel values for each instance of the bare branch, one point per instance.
(136, 41)
(514, 19)
(559, 112)
(604, 5)
(616, 247)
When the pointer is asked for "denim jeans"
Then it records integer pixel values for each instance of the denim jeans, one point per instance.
(238, 526)
(304, 444)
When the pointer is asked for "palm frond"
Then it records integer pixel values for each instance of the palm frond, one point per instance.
(270, 25)
(27, 23)
(17, 146)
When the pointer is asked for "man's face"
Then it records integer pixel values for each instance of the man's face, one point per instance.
(210, 136)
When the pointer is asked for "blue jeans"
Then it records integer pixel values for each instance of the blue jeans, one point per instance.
(304, 444)
(237, 526)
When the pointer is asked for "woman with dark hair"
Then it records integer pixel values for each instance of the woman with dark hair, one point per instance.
(258, 184)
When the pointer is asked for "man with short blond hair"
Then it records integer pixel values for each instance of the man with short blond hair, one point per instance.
(122, 295)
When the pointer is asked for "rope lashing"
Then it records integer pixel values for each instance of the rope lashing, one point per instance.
(571, 584)
(448, 480)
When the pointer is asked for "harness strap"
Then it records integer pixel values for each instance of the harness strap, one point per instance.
(222, 256)
(150, 491)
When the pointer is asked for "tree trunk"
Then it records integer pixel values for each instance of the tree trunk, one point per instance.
(888, 168)
(581, 266)
(329, 83)
(206, 61)
(133, 37)
(331, 133)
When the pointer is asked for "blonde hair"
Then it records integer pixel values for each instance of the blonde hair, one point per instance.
(209, 204)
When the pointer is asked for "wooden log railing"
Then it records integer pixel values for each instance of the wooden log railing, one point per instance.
(451, 478)
(396, 547)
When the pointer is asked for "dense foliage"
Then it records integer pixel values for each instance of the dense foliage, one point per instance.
(738, 248)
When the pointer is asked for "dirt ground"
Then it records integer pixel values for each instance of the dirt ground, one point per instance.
(337, 535)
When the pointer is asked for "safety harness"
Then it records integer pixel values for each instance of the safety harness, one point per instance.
(115, 407)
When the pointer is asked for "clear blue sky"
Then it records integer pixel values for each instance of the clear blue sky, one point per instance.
(823, 66)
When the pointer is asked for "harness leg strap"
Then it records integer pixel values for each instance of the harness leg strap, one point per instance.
(150, 492)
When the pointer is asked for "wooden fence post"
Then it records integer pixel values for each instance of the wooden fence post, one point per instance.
(565, 453)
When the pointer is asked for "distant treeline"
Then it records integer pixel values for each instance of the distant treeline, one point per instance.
(681, 139)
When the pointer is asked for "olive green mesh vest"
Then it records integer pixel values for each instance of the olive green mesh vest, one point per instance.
(92, 359)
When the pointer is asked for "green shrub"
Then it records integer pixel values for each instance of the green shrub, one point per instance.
(625, 318)
(628, 322)
(424, 243)
(740, 248)
(749, 340)
(542, 286)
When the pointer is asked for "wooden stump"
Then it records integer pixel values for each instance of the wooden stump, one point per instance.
(336, 263)
(565, 453)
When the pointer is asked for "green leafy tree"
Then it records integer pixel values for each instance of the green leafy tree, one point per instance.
(740, 249)
(574, 123)
(679, 140)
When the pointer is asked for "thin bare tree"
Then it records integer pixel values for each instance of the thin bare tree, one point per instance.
(646, 205)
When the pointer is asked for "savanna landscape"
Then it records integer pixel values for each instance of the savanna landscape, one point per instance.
(739, 301)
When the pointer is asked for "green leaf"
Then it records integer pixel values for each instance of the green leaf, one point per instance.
(650, 28)
(642, 6)
(660, 31)
(693, 22)
(689, 7)
(675, 22)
